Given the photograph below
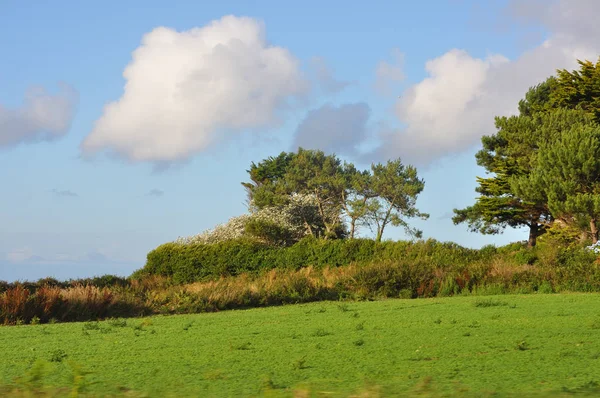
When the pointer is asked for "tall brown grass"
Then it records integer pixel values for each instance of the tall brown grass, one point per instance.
(385, 279)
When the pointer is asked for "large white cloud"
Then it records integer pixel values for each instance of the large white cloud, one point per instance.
(186, 89)
(455, 105)
(42, 117)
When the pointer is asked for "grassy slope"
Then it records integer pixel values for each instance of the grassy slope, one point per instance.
(519, 344)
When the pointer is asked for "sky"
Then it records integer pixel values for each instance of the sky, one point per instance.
(124, 125)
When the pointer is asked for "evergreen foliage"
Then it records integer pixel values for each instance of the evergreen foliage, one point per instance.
(517, 193)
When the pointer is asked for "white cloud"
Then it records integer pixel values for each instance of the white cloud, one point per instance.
(334, 129)
(42, 117)
(185, 90)
(455, 105)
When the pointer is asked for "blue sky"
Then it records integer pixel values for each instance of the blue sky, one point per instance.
(201, 89)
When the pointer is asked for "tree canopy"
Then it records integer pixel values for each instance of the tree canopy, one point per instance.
(515, 194)
(346, 198)
(569, 169)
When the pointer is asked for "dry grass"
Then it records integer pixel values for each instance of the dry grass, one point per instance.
(159, 295)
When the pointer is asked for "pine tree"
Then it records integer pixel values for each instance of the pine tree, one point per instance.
(510, 154)
(514, 195)
(579, 89)
(569, 168)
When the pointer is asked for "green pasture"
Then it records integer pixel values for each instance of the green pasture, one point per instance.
(525, 345)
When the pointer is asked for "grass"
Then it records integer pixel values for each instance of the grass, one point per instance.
(526, 345)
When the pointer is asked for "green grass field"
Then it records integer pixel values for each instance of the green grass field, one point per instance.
(509, 345)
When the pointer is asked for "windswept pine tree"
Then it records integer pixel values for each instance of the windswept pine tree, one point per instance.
(515, 195)
(505, 155)
(569, 169)
(578, 89)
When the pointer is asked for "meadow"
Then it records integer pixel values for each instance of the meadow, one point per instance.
(508, 345)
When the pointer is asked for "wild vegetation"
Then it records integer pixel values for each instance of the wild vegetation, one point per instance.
(334, 270)
(300, 240)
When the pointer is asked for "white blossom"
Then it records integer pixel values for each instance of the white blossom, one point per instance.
(595, 247)
(299, 216)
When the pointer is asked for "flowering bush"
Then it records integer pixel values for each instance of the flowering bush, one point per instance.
(595, 248)
(282, 225)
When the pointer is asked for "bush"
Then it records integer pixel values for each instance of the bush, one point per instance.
(101, 281)
(242, 273)
(269, 232)
(281, 225)
(187, 263)
(526, 257)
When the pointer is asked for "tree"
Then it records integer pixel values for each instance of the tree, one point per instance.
(357, 197)
(395, 189)
(313, 172)
(538, 98)
(569, 168)
(384, 195)
(497, 208)
(276, 225)
(513, 196)
(264, 177)
(507, 154)
(307, 172)
(578, 89)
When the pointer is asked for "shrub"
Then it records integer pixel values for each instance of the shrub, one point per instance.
(280, 225)
(242, 273)
(102, 281)
(13, 304)
(526, 257)
(269, 232)
(187, 263)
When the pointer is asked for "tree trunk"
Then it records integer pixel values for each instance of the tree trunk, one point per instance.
(309, 228)
(328, 227)
(379, 233)
(384, 222)
(594, 230)
(352, 228)
(534, 231)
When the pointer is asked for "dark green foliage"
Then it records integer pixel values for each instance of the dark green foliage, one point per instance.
(101, 281)
(269, 232)
(98, 281)
(537, 99)
(58, 355)
(569, 172)
(526, 257)
(385, 194)
(516, 193)
(194, 262)
(511, 197)
(264, 176)
(199, 262)
(243, 274)
(306, 172)
(579, 89)
(397, 187)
